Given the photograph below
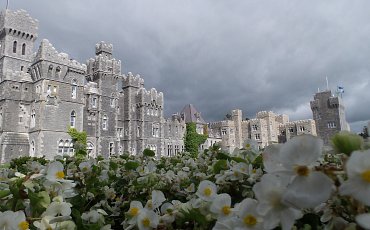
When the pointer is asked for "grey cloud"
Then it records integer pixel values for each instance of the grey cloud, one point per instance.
(220, 55)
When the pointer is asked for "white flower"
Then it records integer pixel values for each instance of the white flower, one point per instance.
(358, 171)
(55, 171)
(221, 206)
(44, 223)
(226, 223)
(85, 166)
(92, 216)
(156, 201)
(13, 220)
(363, 220)
(168, 213)
(269, 192)
(308, 188)
(135, 208)
(207, 190)
(147, 219)
(249, 218)
(58, 207)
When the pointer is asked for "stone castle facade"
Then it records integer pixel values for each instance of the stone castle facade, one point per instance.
(43, 93)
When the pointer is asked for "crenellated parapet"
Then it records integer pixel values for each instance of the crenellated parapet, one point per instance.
(92, 88)
(130, 80)
(47, 52)
(104, 64)
(150, 97)
(103, 47)
(19, 24)
(264, 114)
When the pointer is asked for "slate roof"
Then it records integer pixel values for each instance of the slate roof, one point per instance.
(191, 114)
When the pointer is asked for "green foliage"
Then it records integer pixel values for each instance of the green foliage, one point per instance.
(131, 165)
(79, 140)
(20, 164)
(220, 165)
(346, 142)
(193, 140)
(148, 153)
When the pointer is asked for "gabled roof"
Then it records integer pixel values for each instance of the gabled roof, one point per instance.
(191, 114)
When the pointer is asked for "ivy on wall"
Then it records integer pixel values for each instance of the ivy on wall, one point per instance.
(79, 140)
(193, 140)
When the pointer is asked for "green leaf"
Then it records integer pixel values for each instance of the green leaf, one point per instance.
(222, 156)
(193, 215)
(131, 165)
(346, 142)
(4, 193)
(148, 153)
(220, 165)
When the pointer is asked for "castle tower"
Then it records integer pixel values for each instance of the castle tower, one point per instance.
(17, 37)
(236, 115)
(329, 114)
(104, 100)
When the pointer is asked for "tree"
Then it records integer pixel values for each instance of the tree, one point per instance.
(193, 140)
(79, 140)
(365, 132)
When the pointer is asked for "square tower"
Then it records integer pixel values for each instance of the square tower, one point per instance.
(329, 114)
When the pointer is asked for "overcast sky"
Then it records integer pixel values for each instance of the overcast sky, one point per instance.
(221, 55)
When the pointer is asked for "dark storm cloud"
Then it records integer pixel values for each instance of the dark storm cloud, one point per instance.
(220, 55)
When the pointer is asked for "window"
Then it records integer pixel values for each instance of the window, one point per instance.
(32, 149)
(90, 149)
(33, 118)
(74, 89)
(302, 128)
(50, 70)
(66, 147)
(112, 102)
(111, 148)
(155, 130)
(37, 89)
(223, 132)
(24, 49)
(15, 47)
(257, 136)
(119, 132)
(55, 89)
(73, 119)
(93, 102)
(254, 127)
(169, 150)
(1, 117)
(57, 72)
(138, 132)
(332, 125)
(60, 147)
(49, 89)
(105, 122)
(177, 149)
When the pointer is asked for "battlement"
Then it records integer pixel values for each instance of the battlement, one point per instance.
(19, 23)
(263, 114)
(103, 47)
(17, 76)
(147, 96)
(219, 124)
(49, 53)
(104, 64)
(298, 122)
(133, 81)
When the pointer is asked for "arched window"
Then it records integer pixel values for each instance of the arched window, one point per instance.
(66, 147)
(57, 72)
(73, 119)
(32, 149)
(74, 89)
(33, 118)
(60, 147)
(1, 117)
(105, 122)
(15, 47)
(90, 149)
(24, 49)
(50, 70)
(71, 149)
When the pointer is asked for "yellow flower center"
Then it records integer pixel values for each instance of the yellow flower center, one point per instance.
(366, 176)
(24, 225)
(254, 170)
(207, 192)
(146, 222)
(250, 220)
(302, 170)
(226, 210)
(134, 211)
(84, 169)
(236, 173)
(59, 175)
(247, 146)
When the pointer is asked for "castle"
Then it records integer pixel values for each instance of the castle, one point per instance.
(44, 93)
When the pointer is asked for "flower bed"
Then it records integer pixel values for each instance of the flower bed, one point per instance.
(287, 185)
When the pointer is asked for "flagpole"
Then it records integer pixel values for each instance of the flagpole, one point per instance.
(327, 83)
(7, 4)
